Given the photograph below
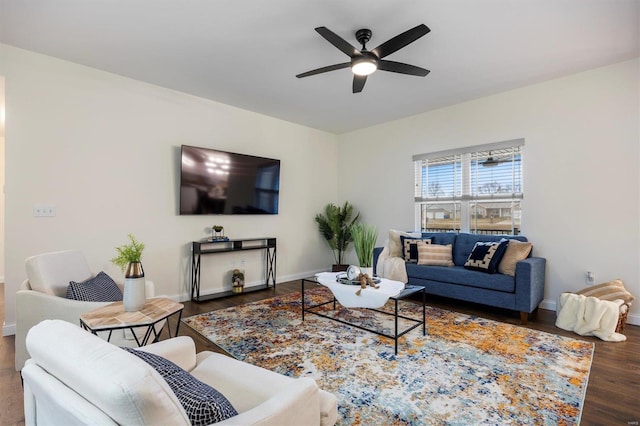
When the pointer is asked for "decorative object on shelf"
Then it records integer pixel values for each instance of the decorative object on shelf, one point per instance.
(217, 233)
(237, 279)
(335, 226)
(128, 259)
(364, 241)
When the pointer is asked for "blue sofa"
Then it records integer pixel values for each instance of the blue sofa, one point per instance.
(522, 292)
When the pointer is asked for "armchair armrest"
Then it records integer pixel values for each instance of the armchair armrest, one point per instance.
(530, 281)
(297, 404)
(34, 306)
(179, 350)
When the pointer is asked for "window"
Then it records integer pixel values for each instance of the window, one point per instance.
(476, 189)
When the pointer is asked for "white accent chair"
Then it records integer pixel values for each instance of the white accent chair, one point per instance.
(42, 296)
(74, 377)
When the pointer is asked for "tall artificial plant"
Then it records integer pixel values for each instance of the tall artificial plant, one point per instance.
(364, 241)
(335, 226)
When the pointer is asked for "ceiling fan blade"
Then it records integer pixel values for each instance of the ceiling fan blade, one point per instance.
(401, 68)
(401, 40)
(337, 41)
(358, 83)
(324, 69)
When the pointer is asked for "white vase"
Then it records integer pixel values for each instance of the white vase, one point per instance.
(134, 296)
(367, 270)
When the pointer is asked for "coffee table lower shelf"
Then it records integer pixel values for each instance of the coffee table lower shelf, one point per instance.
(409, 290)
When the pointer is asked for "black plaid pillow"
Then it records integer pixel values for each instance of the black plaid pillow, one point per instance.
(204, 405)
(485, 257)
(100, 288)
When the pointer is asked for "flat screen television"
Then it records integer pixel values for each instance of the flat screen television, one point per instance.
(221, 182)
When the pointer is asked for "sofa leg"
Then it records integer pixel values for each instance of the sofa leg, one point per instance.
(524, 317)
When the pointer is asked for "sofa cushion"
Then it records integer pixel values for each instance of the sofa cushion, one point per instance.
(442, 238)
(203, 404)
(434, 255)
(51, 273)
(458, 275)
(485, 257)
(100, 288)
(410, 247)
(515, 252)
(465, 242)
(395, 245)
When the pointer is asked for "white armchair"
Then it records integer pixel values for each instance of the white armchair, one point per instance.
(42, 296)
(73, 377)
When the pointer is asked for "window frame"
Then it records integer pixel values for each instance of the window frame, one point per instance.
(463, 185)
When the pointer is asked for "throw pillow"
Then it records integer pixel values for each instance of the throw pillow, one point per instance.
(100, 288)
(395, 245)
(515, 252)
(612, 290)
(410, 247)
(435, 255)
(485, 257)
(203, 404)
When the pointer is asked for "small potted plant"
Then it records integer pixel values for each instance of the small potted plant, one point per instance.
(335, 226)
(129, 258)
(364, 241)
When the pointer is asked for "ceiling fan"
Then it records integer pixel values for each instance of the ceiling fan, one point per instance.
(364, 62)
(492, 161)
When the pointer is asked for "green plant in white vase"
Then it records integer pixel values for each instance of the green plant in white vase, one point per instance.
(129, 258)
(364, 241)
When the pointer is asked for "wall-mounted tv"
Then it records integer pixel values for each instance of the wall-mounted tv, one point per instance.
(221, 182)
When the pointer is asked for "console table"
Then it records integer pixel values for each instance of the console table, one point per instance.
(199, 248)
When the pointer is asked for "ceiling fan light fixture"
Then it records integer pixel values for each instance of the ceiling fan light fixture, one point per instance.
(364, 66)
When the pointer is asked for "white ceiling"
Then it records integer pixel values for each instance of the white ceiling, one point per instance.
(246, 53)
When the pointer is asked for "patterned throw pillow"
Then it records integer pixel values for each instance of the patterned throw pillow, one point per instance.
(410, 247)
(435, 255)
(204, 405)
(485, 257)
(100, 288)
(395, 245)
(515, 252)
(611, 290)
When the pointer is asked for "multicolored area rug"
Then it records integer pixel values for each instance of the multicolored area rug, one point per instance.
(466, 370)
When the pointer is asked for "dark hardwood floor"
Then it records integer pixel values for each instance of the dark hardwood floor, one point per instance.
(613, 394)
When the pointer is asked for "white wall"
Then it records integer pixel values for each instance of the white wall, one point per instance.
(2, 179)
(105, 151)
(581, 159)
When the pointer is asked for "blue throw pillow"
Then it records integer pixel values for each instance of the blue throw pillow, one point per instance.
(100, 288)
(485, 257)
(203, 404)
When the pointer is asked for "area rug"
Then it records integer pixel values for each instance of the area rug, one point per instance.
(465, 371)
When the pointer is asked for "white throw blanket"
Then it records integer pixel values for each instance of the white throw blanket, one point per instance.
(392, 268)
(589, 316)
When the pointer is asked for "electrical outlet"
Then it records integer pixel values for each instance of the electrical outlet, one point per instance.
(44, 210)
(591, 278)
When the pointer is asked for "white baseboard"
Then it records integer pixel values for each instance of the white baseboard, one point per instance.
(8, 329)
(551, 305)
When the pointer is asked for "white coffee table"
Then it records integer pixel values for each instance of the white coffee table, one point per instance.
(370, 298)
